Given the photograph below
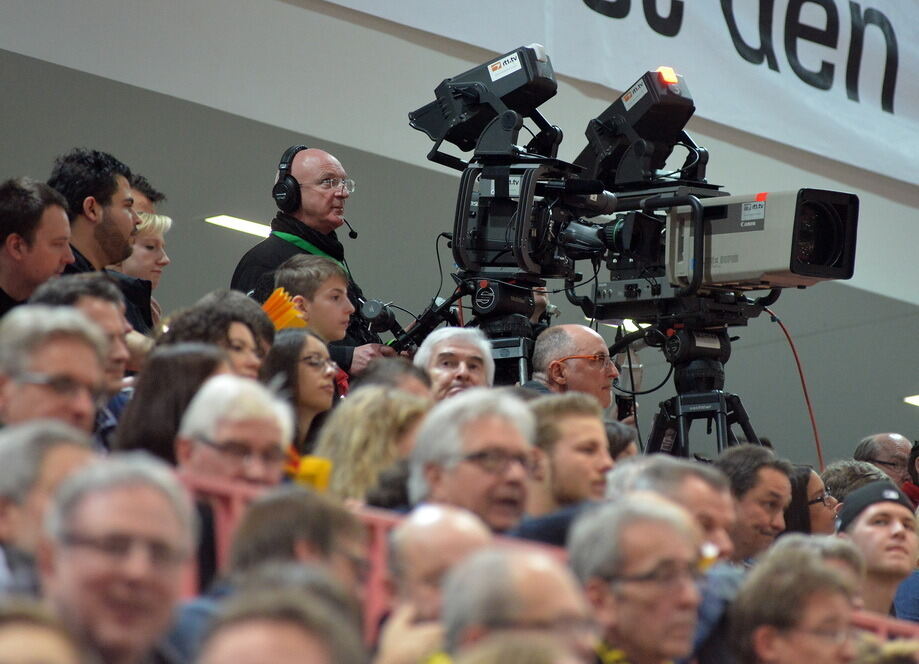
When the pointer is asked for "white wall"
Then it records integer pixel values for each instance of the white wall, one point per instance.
(317, 73)
(349, 78)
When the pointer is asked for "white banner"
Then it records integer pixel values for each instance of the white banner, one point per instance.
(831, 77)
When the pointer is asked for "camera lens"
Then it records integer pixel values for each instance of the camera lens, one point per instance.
(820, 236)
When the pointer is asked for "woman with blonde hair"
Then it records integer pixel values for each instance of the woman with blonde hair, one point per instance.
(149, 259)
(369, 431)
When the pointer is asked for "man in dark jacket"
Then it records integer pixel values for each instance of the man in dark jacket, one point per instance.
(310, 193)
(102, 222)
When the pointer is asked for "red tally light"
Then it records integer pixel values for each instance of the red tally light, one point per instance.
(762, 196)
(667, 75)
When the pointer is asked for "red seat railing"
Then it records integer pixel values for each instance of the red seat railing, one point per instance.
(230, 499)
(885, 627)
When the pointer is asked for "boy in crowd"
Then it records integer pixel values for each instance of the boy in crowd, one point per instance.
(319, 289)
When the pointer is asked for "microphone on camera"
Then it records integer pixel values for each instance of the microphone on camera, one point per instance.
(351, 232)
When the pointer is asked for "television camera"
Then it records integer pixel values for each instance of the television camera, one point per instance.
(682, 255)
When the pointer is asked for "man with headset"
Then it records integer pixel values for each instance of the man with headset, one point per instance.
(310, 193)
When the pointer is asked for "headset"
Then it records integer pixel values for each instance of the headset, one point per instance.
(286, 191)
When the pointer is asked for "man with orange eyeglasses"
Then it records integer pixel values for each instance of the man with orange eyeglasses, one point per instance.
(573, 358)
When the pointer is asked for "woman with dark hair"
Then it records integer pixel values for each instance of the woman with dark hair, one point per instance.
(169, 380)
(811, 510)
(233, 323)
(247, 310)
(298, 365)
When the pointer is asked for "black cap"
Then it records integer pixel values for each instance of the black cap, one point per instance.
(861, 499)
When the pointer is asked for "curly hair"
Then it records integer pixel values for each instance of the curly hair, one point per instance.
(209, 320)
(82, 173)
(360, 437)
(245, 309)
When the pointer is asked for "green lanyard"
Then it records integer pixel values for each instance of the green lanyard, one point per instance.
(308, 247)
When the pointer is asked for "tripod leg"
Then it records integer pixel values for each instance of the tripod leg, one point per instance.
(663, 436)
(739, 415)
(721, 432)
(683, 423)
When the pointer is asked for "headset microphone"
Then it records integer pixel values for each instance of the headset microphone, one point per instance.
(351, 232)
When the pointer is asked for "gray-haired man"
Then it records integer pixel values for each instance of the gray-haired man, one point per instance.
(36, 457)
(51, 365)
(119, 533)
(638, 561)
(456, 358)
(527, 590)
(474, 451)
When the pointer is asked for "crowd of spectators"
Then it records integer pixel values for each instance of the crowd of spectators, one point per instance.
(110, 408)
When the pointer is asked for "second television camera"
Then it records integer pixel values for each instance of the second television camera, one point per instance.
(681, 254)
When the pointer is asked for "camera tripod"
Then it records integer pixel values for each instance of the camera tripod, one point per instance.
(698, 358)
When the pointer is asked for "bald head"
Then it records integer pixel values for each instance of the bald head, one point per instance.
(889, 452)
(513, 589)
(321, 206)
(574, 358)
(425, 546)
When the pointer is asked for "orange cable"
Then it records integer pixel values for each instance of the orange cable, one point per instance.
(807, 399)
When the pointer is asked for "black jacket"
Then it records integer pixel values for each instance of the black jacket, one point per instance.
(254, 275)
(136, 292)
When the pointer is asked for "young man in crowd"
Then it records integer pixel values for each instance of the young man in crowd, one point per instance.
(34, 239)
(572, 456)
(879, 520)
(103, 223)
(318, 287)
(571, 461)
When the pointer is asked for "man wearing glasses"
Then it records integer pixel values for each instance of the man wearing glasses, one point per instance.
(638, 562)
(889, 452)
(117, 537)
(97, 296)
(51, 366)
(235, 429)
(474, 451)
(794, 609)
(311, 190)
(573, 358)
